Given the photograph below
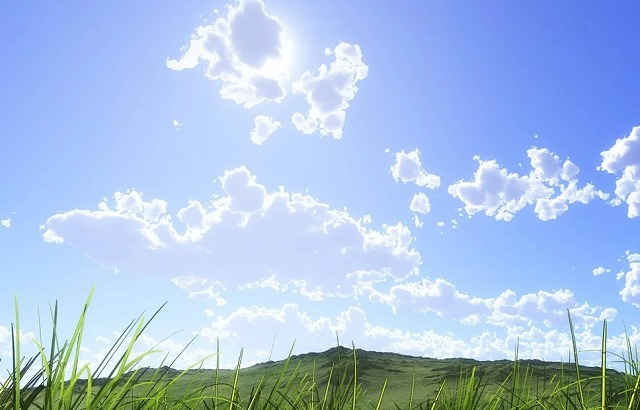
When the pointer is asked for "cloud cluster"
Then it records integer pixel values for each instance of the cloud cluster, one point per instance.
(624, 158)
(408, 168)
(551, 186)
(243, 51)
(248, 235)
(329, 92)
(264, 127)
(6, 223)
(544, 308)
(291, 323)
(248, 52)
(631, 291)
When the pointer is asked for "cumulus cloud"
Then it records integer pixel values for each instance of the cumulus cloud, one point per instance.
(329, 92)
(164, 351)
(177, 125)
(264, 127)
(5, 335)
(550, 187)
(623, 159)
(420, 203)
(6, 222)
(243, 51)
(544, 308)
(246, 236)
(408, 168)
(26, 339)
(631, 291)
(290, 323)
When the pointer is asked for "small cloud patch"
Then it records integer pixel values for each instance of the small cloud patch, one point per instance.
(264, 127)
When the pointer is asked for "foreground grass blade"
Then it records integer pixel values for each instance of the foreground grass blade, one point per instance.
(603, 390)
(16, 358)
(575, 359)
(355, 377)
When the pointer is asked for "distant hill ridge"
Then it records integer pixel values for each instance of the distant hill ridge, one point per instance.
(373, 360)
(399, 371)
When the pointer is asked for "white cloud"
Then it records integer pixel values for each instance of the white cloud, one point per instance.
(177, 124)
(5, 335)
(26, 338)
(631, 291)
(551, 187)
(624, 158)
(243, 51)
(269, 283)
(544, 308)
(420, 203)
(165, 351)
(600, 270)
(246, 236)
(329, 93)
(291, 323)
(408, 168)
(264, 127)
(6, 222)
(201, 288)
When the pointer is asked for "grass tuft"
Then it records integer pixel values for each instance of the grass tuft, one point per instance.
(340, 379)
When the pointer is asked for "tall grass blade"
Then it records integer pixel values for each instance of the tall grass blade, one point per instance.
(575, 356)
(384, 386)
(235, 400)
(355, 377)
(603, 350)
(16, 358)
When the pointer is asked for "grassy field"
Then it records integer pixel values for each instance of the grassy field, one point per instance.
(340, 378)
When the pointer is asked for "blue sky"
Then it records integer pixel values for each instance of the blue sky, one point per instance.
(436, 178)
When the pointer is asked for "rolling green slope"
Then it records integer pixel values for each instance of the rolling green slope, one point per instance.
(402, 374)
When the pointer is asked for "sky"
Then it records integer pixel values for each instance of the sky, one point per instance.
(433, 178)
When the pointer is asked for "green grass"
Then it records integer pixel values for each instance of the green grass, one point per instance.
(338, 379)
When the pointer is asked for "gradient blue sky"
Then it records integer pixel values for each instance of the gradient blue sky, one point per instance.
(433, 178)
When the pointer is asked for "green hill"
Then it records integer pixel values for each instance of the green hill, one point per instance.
(401, 373)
